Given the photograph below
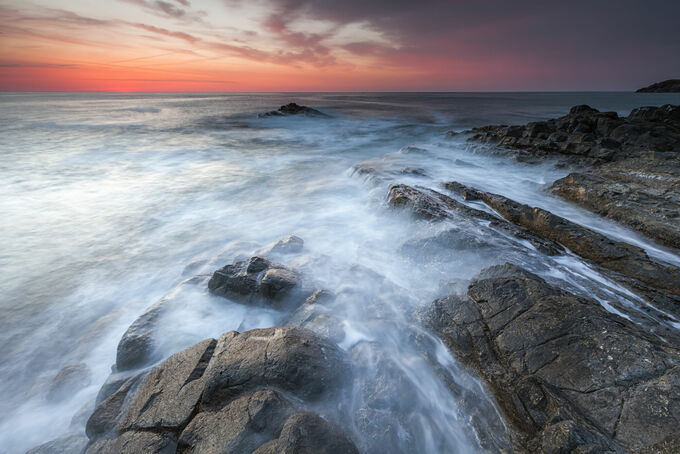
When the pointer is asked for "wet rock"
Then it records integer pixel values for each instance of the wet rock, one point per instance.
(621, 257)
(226, 396)
(241, 426)
(307, 433)
(432, 205)
(136, 348)
(258, 281)
(135, 442)
(107, 414)
(169, 393)
(66, 444)
(294, 109)
(587, 136)
(287, 358)
(70, 379)
(289, 244)
(569, 375)
(642, 195)
(667, 86)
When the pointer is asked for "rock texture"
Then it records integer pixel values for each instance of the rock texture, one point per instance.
(587, 136)
(641, 194)
(667, 86)
(258, 280)
(570, 376)
(294, 109)
(633, 163)
(232, 395)
(623, 258)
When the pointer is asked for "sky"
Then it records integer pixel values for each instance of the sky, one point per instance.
(334, 45)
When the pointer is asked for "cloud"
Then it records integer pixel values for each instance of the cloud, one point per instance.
(162, 31)
(166, 9)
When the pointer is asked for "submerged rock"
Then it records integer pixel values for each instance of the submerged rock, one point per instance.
(70, 379)
(66, 444)
(569, 375)
(226, 396)
(294, 109)
(289, 244)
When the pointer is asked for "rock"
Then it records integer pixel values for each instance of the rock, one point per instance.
(66, 444)
(241, 426)
(289, 244)
(227, 396)
(667, 86)
(294, 109)
(258, 281)
(307, 433)
(642, 196)
(170, 392)
(135, 442)
(621, 257)
(432, 205)
(291, 359)
(570, 376)
(586, 136)
(107, 414)
(68, 381)
(136, 348)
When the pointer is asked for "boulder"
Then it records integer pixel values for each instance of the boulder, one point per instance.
(242, 425)
(287, 358)
(307, 433)
(258, 280)
(569, 375)
(230, 395)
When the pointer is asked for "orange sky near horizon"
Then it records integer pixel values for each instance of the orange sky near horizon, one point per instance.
(292, 45)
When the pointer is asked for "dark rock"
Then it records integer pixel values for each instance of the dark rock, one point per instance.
(294, 109)
(617, 256)
(241, 426)
(307, 433)
(169, 393)
(667, 86)
(258, 281)
(70, 379)
(66, 444)
(226, 396)
(287, 358)
(569, 375)
(106, 416)
(429, 204)
(587, 136)
(136, 348)
(642, 196)
(135, 442)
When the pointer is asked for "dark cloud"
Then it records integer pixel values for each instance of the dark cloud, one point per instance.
(616, 36)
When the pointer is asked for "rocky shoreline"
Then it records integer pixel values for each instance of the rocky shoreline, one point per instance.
(569, 372)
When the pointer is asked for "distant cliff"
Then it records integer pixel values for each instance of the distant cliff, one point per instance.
(667, 86)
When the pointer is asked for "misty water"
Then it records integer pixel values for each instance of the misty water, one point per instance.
(110, 202)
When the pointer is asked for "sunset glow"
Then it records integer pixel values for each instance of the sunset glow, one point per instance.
(307, 45)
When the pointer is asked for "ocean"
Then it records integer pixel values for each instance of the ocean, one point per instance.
(109, 202)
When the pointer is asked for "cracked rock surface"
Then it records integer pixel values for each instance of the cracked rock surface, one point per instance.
(569, 375)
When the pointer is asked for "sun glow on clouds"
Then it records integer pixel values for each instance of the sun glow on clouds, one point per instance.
(304, 45)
